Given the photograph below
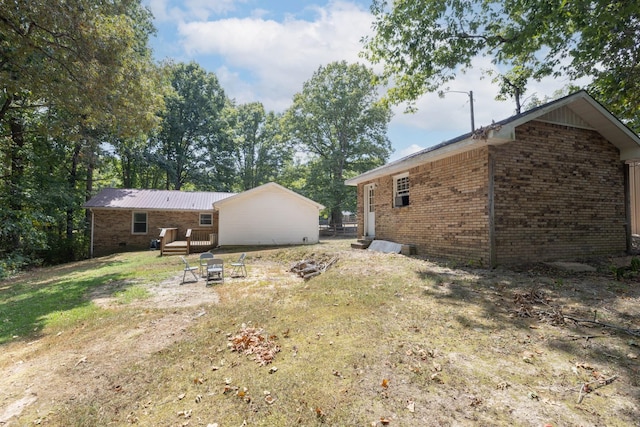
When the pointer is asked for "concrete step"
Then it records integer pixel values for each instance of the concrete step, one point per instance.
(361, 244)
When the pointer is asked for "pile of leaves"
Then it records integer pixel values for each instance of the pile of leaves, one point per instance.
(252, 341)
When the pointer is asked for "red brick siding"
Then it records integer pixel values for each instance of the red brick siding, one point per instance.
(447, 214)
(559, 193)
(112, 228)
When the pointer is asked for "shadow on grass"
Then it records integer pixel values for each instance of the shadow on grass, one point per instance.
(499, 294)
(25, 308)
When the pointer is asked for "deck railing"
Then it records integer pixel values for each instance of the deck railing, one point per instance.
(167, 235)
(203, 237)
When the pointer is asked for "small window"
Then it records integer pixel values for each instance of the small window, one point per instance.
(401, 190)
(139, 223)
(206, 220)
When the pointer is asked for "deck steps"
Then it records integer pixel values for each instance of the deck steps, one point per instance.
(178, 250)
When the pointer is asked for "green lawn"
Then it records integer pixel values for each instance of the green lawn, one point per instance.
(377, 339)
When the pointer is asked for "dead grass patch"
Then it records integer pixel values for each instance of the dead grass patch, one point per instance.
(376, 339)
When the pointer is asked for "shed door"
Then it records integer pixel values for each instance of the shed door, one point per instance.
(369, 211)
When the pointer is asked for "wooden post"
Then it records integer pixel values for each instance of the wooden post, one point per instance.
(188, 236)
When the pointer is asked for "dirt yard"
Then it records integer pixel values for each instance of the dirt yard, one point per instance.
(585, 309)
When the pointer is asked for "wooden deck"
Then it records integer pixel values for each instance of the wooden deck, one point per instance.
(180, 247)
(196, 241)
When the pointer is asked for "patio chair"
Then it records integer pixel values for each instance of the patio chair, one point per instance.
(238, 267)
(187, 267)
(203, 261)
(215, 270)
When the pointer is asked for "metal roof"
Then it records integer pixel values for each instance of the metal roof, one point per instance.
(121, 198)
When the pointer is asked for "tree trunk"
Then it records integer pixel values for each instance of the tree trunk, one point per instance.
(88, 193)
(72, 181)
(16, 177)
(336, 217)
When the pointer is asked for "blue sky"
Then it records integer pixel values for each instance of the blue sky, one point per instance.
(265, 50)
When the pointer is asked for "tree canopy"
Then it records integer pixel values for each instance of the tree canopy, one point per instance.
(260, 150)
(87, 57)
(339, 122)
(191, 143)
(424, 43)
(70, 72)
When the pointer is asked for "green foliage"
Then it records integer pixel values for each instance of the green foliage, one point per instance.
(86, 57)
(260, 150)
(191, 145)
(626, 271)
(340, 125)
(423, 44)
(70, 73)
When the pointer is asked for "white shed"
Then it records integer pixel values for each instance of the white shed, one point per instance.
(267, 215)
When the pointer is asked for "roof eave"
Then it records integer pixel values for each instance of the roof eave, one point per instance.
(405, 164)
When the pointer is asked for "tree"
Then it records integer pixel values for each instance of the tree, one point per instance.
(337, 119)
(69, 72)
(192, 147)
(424, 43)
(74, 55)
(259, 149)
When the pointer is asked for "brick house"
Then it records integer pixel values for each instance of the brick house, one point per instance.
(128, 219)
(186, 222)
(550, 183)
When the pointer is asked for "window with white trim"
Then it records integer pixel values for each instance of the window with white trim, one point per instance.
(139, 223)
(401, 190)
(206, 219)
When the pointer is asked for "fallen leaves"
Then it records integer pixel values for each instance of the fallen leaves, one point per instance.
(535, 303)
(251, 341)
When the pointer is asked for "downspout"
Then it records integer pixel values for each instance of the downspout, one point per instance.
(627, 207)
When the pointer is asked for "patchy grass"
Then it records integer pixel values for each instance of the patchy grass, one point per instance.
(377, 339)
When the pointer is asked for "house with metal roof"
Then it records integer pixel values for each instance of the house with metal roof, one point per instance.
(550, 183)
(174, 221)
(183, 222)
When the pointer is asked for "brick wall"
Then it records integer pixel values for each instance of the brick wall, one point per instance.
(447, 215)
(559, 193)
(112, 228)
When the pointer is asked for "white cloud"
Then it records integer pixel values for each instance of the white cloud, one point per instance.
(452, 113)
(265, 60)
(279, 56)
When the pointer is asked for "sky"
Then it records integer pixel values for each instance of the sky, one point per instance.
(263, 51)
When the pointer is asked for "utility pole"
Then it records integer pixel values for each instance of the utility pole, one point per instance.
(470, 94)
